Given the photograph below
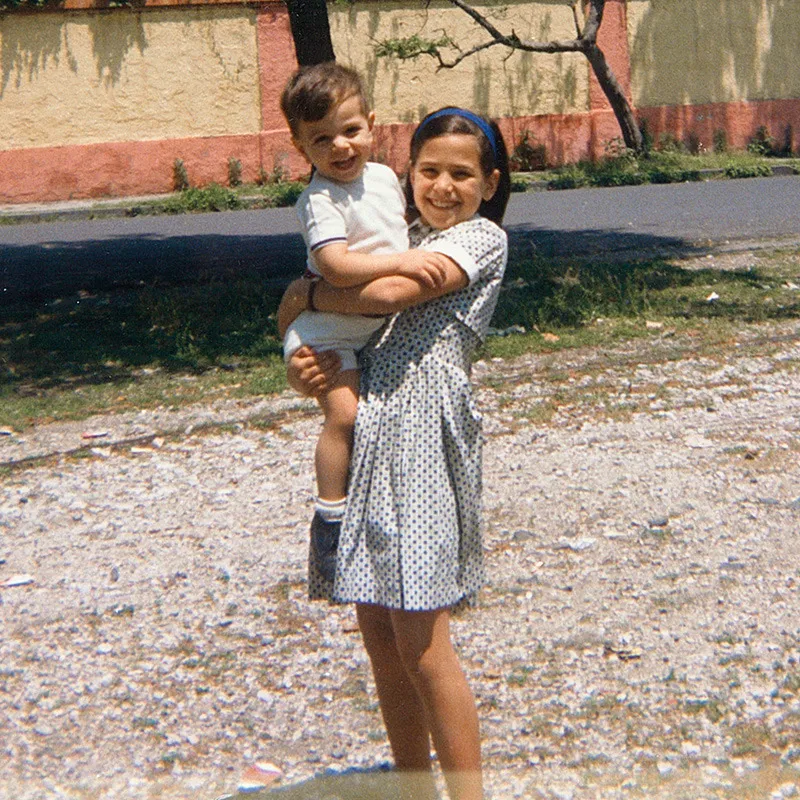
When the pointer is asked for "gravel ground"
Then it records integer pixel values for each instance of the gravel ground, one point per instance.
(640, 636)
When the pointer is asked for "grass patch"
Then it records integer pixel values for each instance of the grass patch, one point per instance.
(671, 163)
(171, 346)
(143, 348)
(545, 294)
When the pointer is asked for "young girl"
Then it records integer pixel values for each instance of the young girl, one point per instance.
(410, 547)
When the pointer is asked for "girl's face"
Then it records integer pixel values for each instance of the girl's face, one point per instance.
(448, 182)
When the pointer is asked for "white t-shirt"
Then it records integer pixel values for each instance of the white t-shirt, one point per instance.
(368, 214)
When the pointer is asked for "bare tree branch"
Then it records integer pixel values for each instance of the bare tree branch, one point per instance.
(586, 43)
(554, 46)
(461, 56)
(578, 30)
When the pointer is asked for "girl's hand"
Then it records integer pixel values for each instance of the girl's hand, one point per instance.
(293, 303)
(311, 373)
(430, 269)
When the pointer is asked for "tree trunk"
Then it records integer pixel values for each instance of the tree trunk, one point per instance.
(631, 134)
(311, 31)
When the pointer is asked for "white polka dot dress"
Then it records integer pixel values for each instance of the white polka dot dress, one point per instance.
(411, 536)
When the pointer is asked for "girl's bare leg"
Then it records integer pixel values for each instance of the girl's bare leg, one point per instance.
(401, 706)
(332, 457)
(422, 639)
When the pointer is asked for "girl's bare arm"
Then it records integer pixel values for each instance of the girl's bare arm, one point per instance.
(380, 297)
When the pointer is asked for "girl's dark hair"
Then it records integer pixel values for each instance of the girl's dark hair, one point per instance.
(492, 155)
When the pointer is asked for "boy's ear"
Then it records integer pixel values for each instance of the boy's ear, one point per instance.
(299, 148)
(490, 185)
(371, 119)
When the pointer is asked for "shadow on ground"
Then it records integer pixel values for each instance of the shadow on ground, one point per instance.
(48, 270)
(375, 783)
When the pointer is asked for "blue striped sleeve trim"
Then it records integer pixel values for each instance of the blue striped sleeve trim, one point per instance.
(327, 241)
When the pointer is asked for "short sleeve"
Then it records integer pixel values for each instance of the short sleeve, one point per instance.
(322, 219)
(476, 246)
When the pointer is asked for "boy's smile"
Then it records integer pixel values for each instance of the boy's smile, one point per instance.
(338, 145)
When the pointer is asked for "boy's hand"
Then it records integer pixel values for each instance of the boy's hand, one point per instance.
(310, 372)
(430, 269)
(293, 303)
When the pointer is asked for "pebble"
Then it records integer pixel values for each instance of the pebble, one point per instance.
(623, 653)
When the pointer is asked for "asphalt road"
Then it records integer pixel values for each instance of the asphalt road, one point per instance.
(47, 260)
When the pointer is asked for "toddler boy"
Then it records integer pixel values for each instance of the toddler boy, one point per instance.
(353, 220)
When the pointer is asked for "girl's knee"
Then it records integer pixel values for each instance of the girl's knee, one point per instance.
(425, 649)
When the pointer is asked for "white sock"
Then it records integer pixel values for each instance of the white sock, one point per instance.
(330, 510)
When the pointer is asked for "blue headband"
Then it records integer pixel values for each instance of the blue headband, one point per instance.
(474, 118)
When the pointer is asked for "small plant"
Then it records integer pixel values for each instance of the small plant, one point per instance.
(411, 47)
(234, 172)
(747, 170)
(284, 193)
(720, 141)
(528, 155)
(668, 143)
(787, 149)
(570, 177)
(647, 136)
(180, 177)
(693, 143)
(762, 143)
(518, 184)
(213, 198)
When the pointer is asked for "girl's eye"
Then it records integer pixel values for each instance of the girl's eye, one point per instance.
(428, 172)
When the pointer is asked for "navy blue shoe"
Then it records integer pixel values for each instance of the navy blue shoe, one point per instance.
(324, 544)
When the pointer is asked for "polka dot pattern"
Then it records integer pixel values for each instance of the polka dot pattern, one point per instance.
(411, 538)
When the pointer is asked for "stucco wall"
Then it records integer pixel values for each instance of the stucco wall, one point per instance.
(713, 51)
(490, 82)
(127, 75)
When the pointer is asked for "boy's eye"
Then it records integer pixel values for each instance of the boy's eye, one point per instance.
(353, 130)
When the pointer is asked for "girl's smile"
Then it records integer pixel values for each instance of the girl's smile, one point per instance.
(448, 182)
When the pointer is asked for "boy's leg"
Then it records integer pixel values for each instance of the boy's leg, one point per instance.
(332, 458)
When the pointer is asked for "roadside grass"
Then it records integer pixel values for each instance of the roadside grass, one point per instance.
(622, 167)
(667, 163)
(172, 346)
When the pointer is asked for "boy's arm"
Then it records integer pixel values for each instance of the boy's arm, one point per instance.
(343, 269)
(380, 297)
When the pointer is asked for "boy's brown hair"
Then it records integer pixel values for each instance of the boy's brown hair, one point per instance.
(313, 91)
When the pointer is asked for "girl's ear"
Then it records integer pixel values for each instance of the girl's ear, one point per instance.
(490, 185)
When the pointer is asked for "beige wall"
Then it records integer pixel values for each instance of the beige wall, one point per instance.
(524, 84)
(127, 75)
(713, 51)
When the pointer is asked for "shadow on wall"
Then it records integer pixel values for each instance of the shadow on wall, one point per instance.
(716, 51)
(28, 42)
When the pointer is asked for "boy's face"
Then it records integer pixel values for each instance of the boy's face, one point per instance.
(340, 143)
